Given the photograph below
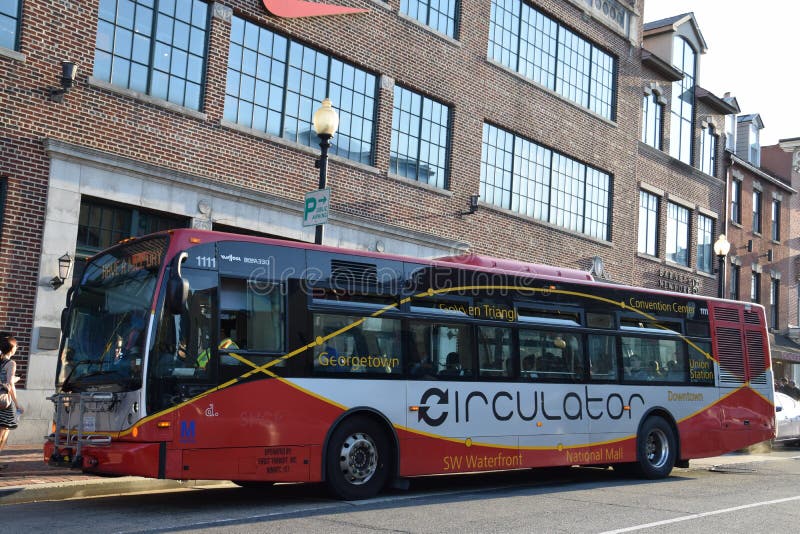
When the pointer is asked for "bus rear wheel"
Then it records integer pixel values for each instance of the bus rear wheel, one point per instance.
(357, 462)
(656, 448)
(656, 451)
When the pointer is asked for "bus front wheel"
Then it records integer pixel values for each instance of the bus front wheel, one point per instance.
(357, 462)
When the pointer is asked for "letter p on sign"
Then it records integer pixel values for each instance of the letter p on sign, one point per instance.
(311, 206)
(315, 211)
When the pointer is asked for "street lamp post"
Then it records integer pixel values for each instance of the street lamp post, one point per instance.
(721, 248)
(326, 121)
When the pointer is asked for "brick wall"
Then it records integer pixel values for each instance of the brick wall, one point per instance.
(455, 72)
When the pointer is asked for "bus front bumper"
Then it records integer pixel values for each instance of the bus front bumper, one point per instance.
(116, 458)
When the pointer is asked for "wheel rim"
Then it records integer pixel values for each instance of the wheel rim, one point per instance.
(657, 448)
(358, 458)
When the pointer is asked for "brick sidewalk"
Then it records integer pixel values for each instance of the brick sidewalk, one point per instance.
(26, 467)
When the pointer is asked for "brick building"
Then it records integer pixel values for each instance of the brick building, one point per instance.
(783, 161)
(582, 130)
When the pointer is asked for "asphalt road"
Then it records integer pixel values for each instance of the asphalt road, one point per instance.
(741, 494)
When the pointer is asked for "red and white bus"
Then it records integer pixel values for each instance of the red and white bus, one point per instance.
(261, 361)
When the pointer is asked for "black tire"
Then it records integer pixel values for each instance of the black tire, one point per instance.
(357, 462)
(253, 484)
(656, 448)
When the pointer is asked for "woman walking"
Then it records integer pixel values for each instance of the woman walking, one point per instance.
(8, 371)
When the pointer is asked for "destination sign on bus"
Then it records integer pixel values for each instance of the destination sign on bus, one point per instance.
(135, 262)
(482, 311)
(687, 309)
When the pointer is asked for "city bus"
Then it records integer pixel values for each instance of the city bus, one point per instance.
(193, 354)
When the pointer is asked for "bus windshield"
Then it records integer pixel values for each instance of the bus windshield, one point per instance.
(105, 331)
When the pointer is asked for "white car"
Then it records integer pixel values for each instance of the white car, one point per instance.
(787, 417)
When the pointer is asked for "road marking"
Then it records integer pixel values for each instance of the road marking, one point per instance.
(703, 514)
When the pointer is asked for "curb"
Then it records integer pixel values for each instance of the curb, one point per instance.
(96, 488)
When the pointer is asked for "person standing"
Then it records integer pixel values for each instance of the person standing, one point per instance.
(8, 371)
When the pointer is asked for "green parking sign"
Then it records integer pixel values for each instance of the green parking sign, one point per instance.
(315, 209)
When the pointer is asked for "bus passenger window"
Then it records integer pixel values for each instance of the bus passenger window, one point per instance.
(554, 356)
(652, 360)
(494, 351)
(602, 352)
(251, 317)
(357, 345)
(440, 350)
(701, 365)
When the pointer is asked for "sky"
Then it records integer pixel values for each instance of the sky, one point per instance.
(751, 54)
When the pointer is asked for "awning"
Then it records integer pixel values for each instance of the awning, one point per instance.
(783, 348)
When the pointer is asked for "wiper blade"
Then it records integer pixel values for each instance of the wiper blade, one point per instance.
(75, 368)
(102, 372)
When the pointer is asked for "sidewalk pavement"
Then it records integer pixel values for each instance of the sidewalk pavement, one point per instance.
(29, 479)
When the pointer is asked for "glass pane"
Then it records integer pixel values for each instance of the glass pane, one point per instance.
(371, 347)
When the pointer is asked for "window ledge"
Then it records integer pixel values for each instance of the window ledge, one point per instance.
(588, 111)
(421, 185)
(12, 54)
(311, 151)
(704, 274)
(678, 266)
(533, 220)
(433, 31)
(648, 257)
(136, 95)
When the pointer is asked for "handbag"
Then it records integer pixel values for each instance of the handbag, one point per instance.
(5, 396)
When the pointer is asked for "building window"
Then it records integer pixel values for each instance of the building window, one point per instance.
(776, 220)
(160, 50)
(682, 110)
(652, 114)
(755, 287)
(677, 234)
(648, 223)
(730, 133)
(420, 132)
(275, 85)
(534, 45)
(774, 293)
(755, 146)
(756, 211)
(708, 150)
(527, 178)
(10, 14)
(705, 233)
(102, 224)
(438, 14)
(735, 276)
(736, 201)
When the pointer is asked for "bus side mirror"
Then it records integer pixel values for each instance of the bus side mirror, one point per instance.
(177, 295)
(70, 294)
(65, 320)
(177, 287)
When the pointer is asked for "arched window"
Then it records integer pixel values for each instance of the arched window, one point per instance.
(652, 115)
(682, 109)
(708, 150)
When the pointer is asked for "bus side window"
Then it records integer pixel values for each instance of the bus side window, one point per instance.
(357, 345)
(556, 356)
(494, 351)
(435, 344)
(602, 357)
